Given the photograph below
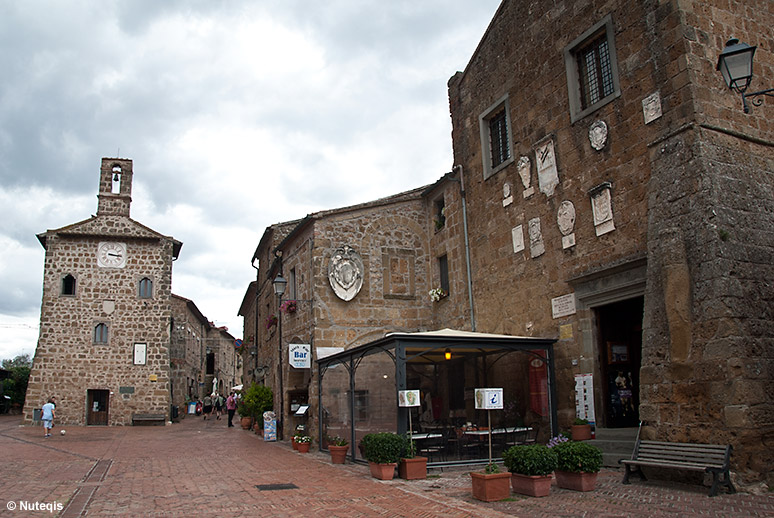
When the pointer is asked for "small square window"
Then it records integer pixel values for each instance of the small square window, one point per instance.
(68, 285)
(496, 147)
(592, 69)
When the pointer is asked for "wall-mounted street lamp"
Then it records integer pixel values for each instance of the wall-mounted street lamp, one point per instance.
(735, 63)
(279, 284)
(447, 354)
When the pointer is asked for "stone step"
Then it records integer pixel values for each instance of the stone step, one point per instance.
(615, 443)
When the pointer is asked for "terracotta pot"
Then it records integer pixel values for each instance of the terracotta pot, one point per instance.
(382, 471)
(293, 442)
(581, 432)
(491, 487)
(303, 447)
(413, 469)
(257, 428)
(246, 423)
(576, 481)
(338, 454)
(531, 485)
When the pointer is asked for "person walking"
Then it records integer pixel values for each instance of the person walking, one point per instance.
(231, 407)
(218, 406)
(207, 406)
(47, 416)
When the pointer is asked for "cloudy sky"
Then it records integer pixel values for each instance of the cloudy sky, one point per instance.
(237, 115)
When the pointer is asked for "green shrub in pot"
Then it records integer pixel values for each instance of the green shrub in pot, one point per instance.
(531, 460)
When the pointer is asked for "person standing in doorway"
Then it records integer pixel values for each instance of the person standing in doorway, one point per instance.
(231, 407)
(47, 416)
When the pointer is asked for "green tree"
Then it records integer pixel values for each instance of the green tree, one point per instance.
(15, 386)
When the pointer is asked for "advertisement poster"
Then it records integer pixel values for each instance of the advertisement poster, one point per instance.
(584, 397)
(269, 426)
(408, 398)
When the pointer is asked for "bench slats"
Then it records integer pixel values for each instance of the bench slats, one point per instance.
(714, 458)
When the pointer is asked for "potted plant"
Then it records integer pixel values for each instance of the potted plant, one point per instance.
(531, 467)
(382, 450)
(338, 446)
(246, 420)
(294, 439)
(581, 430)
(578, 464)
(303, 442)
(491, 485)
(412, 467)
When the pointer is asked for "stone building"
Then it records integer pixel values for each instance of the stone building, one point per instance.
(607, 191)
(621, 200)
(113, 340)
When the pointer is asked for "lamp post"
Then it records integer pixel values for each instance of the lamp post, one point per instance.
(279, 283)
(735, 64)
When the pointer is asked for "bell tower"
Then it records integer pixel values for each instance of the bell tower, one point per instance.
(115, 187)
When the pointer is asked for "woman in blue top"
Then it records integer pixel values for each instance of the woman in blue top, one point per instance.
(48, 416)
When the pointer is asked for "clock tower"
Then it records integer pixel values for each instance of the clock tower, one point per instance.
(106, 313)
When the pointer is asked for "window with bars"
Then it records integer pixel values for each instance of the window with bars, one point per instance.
(498, 138)
(595, 74)
(496, 147)
(592, 69)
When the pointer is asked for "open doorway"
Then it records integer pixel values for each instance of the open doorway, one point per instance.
(98, 403)
(619, 331)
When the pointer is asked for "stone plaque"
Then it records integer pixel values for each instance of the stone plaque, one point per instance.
(651, 107)
(565, 218)
(598, 135)
(126, 390)
(140, 353)
(545, 158)
(517, 234)
(563, 306)
(536, 246)
(565, 332)
(109, 306)
(602, 208)
(524, 168)
(345, 272)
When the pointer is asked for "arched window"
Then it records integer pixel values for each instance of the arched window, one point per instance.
(68, 285)
(146, 288)
(101, 334)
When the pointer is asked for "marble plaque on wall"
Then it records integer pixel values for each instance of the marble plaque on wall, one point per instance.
(536, 246)
(563, 306)
(545, 158)
(517, 235)
(345, 272)
(651, 107)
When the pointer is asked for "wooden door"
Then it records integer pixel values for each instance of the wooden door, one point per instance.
(98, 402)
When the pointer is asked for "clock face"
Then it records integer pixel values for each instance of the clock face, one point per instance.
(111, 255)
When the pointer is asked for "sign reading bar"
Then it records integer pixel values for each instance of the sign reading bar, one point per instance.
(300, 356)
(489, 399)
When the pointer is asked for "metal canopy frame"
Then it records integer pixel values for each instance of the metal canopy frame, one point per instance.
(404, 348)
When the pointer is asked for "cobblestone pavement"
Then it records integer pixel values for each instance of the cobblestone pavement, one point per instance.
(203, 468)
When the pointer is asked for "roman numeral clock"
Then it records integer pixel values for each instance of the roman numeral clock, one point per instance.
(111, 255)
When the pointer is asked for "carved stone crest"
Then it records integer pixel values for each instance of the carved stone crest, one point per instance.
(602, 208)
(524, 168)
(507, 197)
(598, 135)
(345, 272)
(565, 218)
(536, 246)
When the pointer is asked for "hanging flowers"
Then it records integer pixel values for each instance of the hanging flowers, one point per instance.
(288, 306)
(437, 294)
(271, 321)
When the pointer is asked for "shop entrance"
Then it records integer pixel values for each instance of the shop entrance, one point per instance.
(619, 328)
(98, 402)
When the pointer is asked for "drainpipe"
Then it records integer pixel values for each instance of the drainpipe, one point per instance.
(467, 247)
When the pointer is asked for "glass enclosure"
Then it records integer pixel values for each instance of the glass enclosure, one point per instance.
(358, 392)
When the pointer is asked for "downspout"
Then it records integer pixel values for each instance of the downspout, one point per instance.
(467, 248)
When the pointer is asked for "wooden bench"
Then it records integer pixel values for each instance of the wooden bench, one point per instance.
(707, 458)
(149, 419)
